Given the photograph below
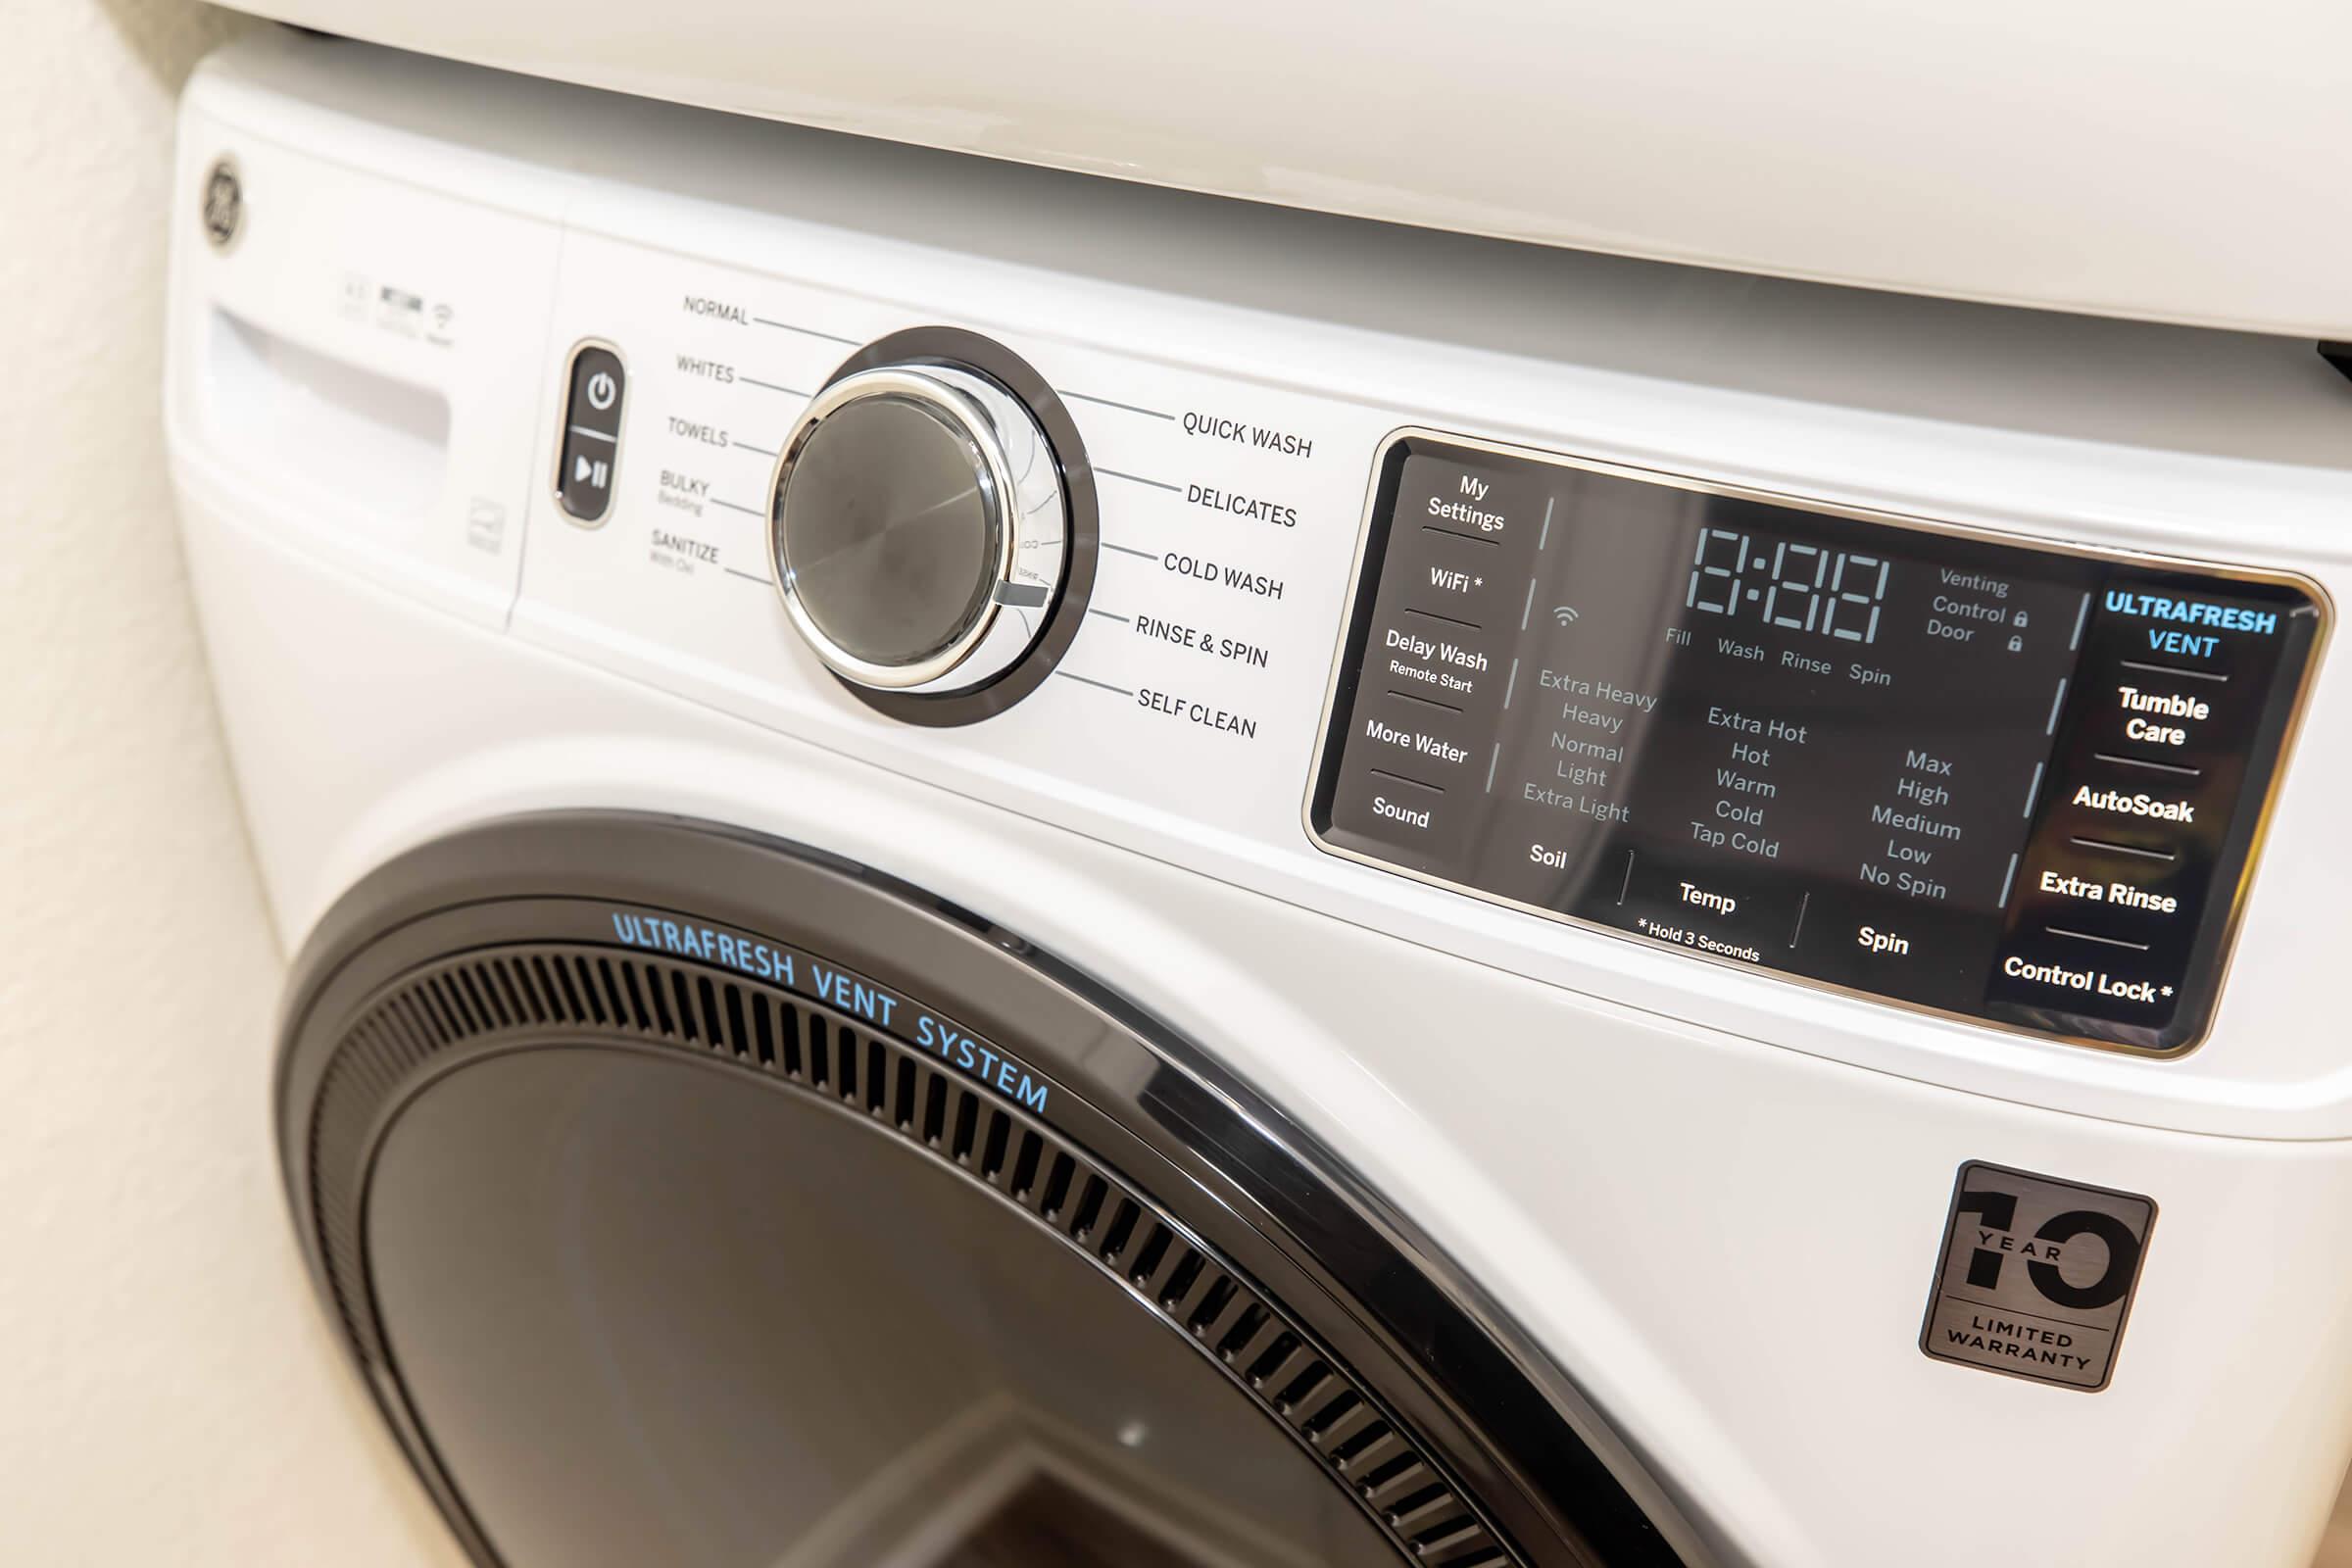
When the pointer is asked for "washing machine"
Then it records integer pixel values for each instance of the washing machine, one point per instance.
(995, 868)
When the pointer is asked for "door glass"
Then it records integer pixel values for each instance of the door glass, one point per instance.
(649, 1310)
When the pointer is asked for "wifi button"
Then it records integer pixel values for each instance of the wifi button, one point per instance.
(1467, 581)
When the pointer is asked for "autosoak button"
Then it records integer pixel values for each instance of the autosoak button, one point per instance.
(591, 444)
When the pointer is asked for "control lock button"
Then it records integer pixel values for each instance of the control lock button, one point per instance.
(2053, 971)
(590, 450)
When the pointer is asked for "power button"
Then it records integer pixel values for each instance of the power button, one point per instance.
(590, 452)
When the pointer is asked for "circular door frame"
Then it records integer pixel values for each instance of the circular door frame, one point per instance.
(390, 994)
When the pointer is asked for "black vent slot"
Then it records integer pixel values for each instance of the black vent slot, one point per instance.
(1057, 1186)
(934, 1109)
(967, 1117)
(991, 1153)
(902, 1110)
(763, 1032)
(1025, 1166)
(821, 1072)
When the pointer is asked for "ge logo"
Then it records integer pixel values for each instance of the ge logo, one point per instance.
(2041, 1251)
(223, 210)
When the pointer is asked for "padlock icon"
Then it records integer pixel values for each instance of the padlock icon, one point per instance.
(2021, 618)
(2016, 645)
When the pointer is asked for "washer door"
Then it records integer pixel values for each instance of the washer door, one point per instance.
(696, 1201)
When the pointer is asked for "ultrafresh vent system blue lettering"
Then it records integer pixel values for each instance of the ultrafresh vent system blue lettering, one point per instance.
(2191, 611)
(971, 1057)
(700, 942)
(843, 992)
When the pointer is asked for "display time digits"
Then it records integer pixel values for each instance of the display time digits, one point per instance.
(1803, 588)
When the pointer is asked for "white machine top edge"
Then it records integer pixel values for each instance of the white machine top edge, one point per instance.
(2107, 159)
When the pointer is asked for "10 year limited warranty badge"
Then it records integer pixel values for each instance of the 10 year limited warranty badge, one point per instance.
(2036, 1275)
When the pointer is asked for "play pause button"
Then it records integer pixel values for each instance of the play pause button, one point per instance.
(591, 443)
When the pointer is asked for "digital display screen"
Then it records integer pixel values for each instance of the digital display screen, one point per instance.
(2003, 781)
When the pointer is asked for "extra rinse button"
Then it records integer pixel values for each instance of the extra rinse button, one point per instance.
(590, 448)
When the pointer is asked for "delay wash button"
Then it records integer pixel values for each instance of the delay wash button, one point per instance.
(590, 448)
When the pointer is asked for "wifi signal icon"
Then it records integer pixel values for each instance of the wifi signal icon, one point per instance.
(1563, 614)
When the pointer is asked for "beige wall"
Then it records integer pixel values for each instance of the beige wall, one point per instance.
(166, 1393)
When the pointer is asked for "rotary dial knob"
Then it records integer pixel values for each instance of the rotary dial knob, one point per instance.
(918, 528)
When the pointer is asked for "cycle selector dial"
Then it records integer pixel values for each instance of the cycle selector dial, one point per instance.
(918, 528)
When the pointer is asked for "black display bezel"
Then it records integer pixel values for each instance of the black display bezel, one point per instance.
(2284, 705)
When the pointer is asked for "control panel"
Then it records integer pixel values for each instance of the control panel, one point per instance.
(1977, 776)
(1473, 616)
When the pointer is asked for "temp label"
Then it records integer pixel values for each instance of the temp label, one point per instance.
(2036, 1276)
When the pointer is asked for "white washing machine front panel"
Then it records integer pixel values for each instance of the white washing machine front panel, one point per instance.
(1715, 1196)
